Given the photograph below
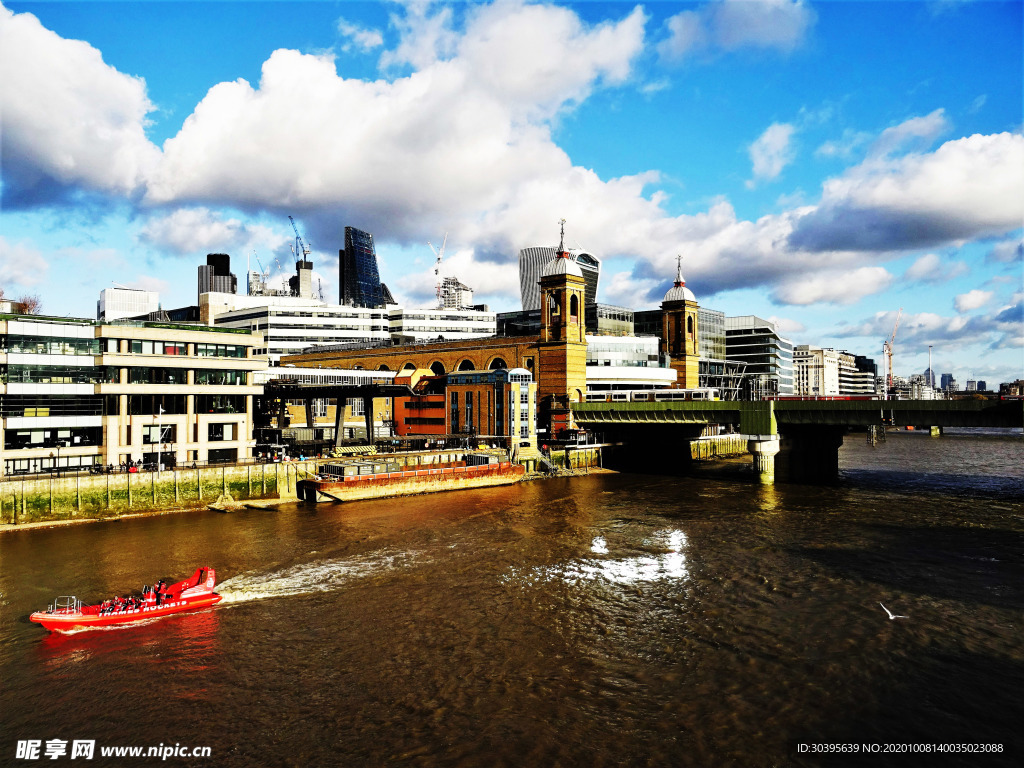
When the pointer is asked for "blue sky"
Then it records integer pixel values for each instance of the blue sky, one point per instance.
(821, 164)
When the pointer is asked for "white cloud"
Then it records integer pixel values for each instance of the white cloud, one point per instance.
(730, 25)
(834, 287)
(1007, 251)
(362, 38)
(624, 290)
(68, 118)
(931, 269)
(1001, 329)
(779, 24)
(192, 231)
(845, 146)
(772, 152)
(917, 132)
(787, 326)
(968, 188)
(967, 302)
(20, 265)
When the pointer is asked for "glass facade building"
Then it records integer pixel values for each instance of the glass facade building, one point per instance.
(531, 264)
(358, 277)
(768, 356)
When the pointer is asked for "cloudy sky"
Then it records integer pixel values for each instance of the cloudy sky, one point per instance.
(821, 164)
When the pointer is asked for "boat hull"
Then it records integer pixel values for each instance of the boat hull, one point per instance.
(409, 482)
(66, 622)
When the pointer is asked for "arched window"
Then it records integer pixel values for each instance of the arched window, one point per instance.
(409, 367)
(689, 327)
(383, 367)
(555, 297)
(466, 365)
(497, 364)
(677, 336)
(437, 368)
(574, 308)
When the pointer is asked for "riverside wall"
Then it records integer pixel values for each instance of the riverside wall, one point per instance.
(41, 499)
(718, 446)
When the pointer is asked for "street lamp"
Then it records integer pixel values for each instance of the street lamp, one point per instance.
(159, 439)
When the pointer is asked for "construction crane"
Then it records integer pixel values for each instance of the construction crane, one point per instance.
(299, 240)
(439, 253)
(887, 351)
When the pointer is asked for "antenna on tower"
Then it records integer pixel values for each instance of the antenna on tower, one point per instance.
(439, 252)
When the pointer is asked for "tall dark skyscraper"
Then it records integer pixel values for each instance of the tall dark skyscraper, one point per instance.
(359, 282)
(215, 276)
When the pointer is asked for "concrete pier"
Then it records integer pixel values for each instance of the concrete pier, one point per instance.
(764, 449)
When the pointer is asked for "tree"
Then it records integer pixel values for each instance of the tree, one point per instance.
(30, 305)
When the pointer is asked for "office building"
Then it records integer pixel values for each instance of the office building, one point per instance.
(215, 276)
(290, 325)
(497, 406)
(600, 319)
(78, 393)
(532, 262)
(455, 295)
(815, 371)
(409, 326)
(359, 282)
(626, 362)
(118, 303)
(768, 356)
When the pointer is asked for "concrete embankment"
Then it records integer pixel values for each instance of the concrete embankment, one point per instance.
(718, 447)
(94, 497)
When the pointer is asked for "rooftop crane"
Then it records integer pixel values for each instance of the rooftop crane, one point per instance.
(887, 351)
(299, 240)
(439, 252)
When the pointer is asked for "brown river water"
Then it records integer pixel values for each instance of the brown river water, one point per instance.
(607, 620)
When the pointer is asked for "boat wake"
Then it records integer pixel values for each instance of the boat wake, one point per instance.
(310, 578)
(668, 564)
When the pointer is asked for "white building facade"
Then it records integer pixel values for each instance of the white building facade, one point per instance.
(75, 394)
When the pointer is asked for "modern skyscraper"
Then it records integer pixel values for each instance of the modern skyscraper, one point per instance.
(359, 282)
(531, 263)
(768, 356)
(215, 276)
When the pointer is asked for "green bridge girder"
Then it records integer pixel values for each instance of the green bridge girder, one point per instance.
(767, 416)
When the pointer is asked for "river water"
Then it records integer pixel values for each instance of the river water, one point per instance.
(607, 620)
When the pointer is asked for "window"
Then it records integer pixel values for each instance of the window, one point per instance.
(220, 377)
(356, 406)
(158, 433)
(220, 404)
(156, 375)
(220, 350)
(219, 432)
(455, 412)
(469, 411)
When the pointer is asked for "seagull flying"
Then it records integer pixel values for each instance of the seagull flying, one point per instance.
(893, 615)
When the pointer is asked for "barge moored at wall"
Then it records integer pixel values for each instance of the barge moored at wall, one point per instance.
(408, 474)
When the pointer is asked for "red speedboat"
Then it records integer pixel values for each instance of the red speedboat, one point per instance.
(68, 613)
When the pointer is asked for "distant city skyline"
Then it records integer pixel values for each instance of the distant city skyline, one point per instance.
(821, 165)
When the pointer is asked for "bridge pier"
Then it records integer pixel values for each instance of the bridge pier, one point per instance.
(810, 454)
(764, 448)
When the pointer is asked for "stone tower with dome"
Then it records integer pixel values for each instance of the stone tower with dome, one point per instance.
(562, 349)
(679, 330)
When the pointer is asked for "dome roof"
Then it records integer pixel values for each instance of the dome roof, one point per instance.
(561, 265)
(679, 291)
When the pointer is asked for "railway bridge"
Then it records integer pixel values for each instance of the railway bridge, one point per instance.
(804, 435)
